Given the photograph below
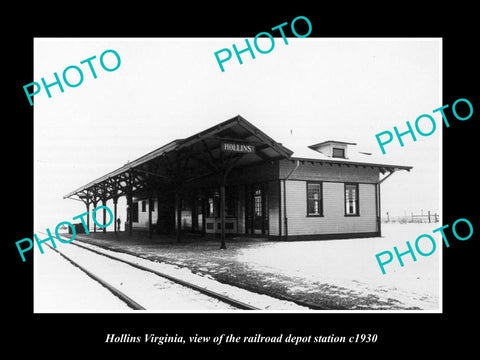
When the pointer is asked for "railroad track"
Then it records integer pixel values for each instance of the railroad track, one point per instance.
(118, 293)
(131, 302)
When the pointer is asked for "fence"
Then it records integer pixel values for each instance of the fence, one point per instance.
(412, 218)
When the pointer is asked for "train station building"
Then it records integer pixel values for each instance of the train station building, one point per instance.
(233, 180)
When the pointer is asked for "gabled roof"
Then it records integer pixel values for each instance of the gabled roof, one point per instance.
(354, 158)
(198, 155)
(130, 165)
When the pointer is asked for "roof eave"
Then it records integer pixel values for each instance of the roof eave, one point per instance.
(359, 163)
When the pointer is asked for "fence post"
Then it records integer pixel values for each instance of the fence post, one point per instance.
(429, 216)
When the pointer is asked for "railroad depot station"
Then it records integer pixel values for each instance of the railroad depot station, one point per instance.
(234, 180)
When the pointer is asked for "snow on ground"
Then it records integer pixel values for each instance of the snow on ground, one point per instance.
(147, 289)
(61, 287)
(349, 267)
(330, 274)
(185, 274)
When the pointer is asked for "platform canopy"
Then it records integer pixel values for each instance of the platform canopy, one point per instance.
(214, 151)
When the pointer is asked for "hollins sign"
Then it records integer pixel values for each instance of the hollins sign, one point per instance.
(237, 147)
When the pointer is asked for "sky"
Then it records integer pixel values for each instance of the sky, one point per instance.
(306, 92)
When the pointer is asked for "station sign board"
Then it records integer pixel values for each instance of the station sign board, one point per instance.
(236, 147)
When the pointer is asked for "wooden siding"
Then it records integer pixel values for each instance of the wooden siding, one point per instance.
(334, 220)
(333, 178)
(273, 208)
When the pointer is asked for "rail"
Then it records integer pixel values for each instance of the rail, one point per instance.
(130, 302)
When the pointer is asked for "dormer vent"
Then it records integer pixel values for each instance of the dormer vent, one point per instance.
(333, 148)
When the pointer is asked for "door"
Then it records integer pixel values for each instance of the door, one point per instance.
(256, 210)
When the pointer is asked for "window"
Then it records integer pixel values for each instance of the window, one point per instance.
(338, 153)
(351, 200)
(257, 202)
(144, 206)
(314, 199)
(213, 204)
